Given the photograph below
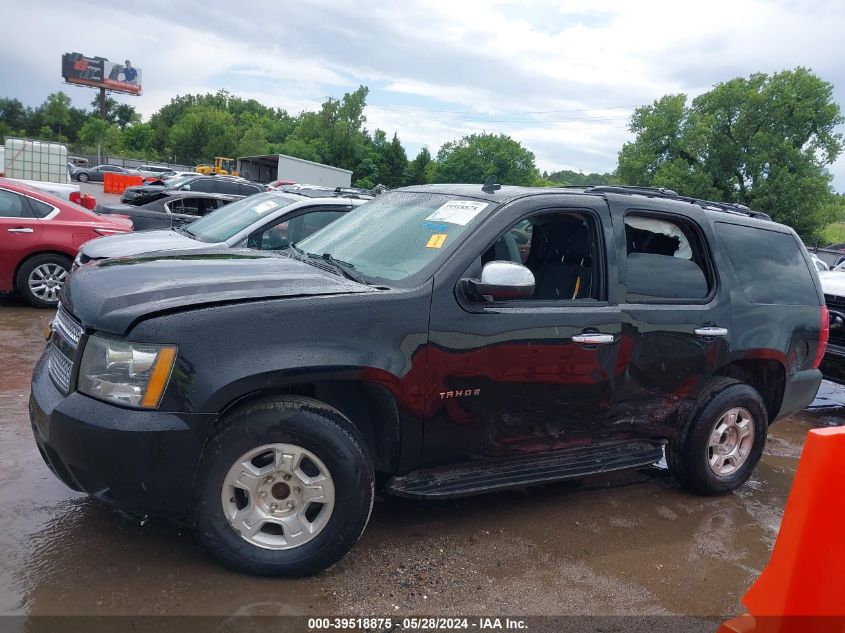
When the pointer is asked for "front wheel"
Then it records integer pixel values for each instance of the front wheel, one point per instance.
(285, 489)
(82, 177)
(723, 439)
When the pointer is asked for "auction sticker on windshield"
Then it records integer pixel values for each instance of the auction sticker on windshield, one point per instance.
(457, 212)
(265, 206)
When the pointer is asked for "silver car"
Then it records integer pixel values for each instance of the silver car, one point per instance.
(266, 221)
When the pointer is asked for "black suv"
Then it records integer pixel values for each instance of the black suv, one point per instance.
(440, 341)
(212, 183)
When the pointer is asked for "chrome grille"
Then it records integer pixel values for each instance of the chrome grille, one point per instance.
(66, 334)
(60, 368)
(67, 326)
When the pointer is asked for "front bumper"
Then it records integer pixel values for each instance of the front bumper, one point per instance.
(142, 461)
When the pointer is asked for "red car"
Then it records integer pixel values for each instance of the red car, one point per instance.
(39, 237)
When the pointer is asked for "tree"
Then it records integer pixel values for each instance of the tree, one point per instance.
(57, 111)
(14, 115)
(120, 114)
(136, 139)
(99, 134)
(763, 141)
(415, 173)
(254, 142)
(478, 156)
(203, 133)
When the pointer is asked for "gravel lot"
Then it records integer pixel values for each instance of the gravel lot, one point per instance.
(627, 543)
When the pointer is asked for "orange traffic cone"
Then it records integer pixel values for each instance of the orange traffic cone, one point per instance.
(802, 589)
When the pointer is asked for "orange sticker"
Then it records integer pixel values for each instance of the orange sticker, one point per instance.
(436, 240)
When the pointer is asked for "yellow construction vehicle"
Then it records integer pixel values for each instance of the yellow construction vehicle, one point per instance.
(223, 166)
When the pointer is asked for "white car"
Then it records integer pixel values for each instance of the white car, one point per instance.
(820, 264)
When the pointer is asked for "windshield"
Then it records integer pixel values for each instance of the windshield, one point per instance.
(227, 221)
(398, 235)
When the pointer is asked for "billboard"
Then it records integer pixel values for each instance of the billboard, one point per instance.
(98, 72)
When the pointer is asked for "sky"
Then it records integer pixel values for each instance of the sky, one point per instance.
(560, 77)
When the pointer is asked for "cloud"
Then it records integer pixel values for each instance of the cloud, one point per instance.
(561, 77)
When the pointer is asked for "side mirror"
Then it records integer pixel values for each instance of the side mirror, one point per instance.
(185, 188)
(501, 281)
(837, 320)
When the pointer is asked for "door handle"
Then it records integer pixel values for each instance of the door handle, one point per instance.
(19, 229)
(711, 331)
(593, 338)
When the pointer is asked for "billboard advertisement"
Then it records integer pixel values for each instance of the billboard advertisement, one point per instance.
(99, 72)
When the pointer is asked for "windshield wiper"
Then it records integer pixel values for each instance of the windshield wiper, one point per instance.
(345, 268)
(181, 230)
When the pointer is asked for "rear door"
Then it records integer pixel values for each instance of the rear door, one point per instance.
(675, 313)
(20, 233)
(516, 377)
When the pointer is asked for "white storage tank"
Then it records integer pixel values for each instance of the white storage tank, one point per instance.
(35, 160)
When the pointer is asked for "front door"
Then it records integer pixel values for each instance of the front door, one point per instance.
(20, 233)
(527, 376)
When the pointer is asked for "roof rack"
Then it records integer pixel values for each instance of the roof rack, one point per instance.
(662, 192)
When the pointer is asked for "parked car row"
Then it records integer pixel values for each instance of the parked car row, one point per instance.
(263, 372)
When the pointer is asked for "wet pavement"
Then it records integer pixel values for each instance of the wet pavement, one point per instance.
(626, 543)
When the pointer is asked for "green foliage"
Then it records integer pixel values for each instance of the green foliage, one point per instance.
(254, 142)
(99, 133)
(136, 139)
(566, 177)
(415, 173)
(475, 157)
(203, 132)
(57, 111)
(762, 141)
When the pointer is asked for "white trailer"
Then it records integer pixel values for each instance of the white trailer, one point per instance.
(273, 167)
(41, 161)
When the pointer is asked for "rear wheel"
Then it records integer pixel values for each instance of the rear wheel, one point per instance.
(285, 489)
(723, 440)
(40, 279)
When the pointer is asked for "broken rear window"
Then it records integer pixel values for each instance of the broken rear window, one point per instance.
(665, 261)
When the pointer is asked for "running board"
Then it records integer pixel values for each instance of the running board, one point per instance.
(513, 472)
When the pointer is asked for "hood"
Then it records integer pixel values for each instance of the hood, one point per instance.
(132, 244)
(111, 295)
(833, 282)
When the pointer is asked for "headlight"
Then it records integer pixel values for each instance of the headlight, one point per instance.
(132, 374)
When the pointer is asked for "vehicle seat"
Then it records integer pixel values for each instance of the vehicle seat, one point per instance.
(561, 265)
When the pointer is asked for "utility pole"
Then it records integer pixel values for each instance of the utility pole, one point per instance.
(103, 103)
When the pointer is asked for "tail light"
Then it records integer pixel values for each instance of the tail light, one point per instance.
(824, 336)
(83, 199)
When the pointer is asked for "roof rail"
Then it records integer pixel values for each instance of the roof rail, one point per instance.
(661, 192)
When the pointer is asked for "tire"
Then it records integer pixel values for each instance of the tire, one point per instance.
(694, 455)
(332, 444)
(50, 269)
(82, 177)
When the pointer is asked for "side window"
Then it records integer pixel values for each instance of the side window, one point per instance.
(769, 264)
(175, 206)
(191, 206)
(665, 260)
(283, 234)
(227, 186)
(13, 206)
(40, 209)
(205, 185)
(560, 249)
(247, 190)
